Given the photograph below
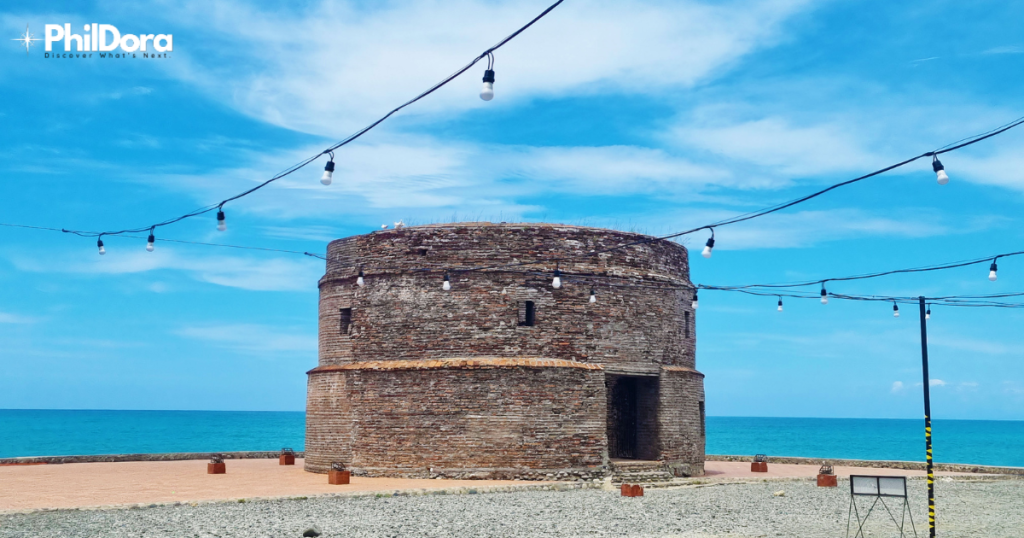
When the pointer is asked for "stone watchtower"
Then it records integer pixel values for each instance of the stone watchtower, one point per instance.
(503, 375)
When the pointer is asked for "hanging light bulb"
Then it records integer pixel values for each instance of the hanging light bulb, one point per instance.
(222, 223)
(328, 171)
(99, 244)
(593, 296)
(557, 281)
(359, 280)
(928, 313)
(150, 240)
(447, 283)
(707, 248)
(895, 310)
(824, 295)
(780, 304)
(940, 172)
(487, 92)
(693, 304)
(992, 271)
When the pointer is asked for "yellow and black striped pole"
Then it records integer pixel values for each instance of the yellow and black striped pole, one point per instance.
(927, 419)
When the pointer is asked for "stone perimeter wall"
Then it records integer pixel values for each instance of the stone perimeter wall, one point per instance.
(881, 464)
(160, 456)
(499, 421)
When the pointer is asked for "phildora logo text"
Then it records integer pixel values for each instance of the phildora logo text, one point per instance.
(106, 40)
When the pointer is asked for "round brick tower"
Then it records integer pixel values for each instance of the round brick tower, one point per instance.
(503, 375)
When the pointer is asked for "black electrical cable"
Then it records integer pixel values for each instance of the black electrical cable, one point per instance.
(164, 239)
(939, 267)
(485, 54)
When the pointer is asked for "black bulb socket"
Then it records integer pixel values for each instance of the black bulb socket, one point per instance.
(489, 76)
(937, 165)
(329, 167)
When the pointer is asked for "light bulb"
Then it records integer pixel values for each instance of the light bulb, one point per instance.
(992, 272)
(895, 311)
(99, 244)
(328, 173)
(222, 223)
(149, 243)
(940, 172)
(447, 284)
(780, 305)
(487, 92)
(824, 296)
(928, 314)
(557, 281)
(707, 247)
(694, 304)
(593, 297)
(359, 280)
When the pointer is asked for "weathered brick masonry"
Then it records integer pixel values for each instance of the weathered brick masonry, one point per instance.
(416, 381)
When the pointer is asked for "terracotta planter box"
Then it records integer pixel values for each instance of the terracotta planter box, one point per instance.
(338, 477)
(287, 459)
(638, 491)
(759, 467)
(216, 468)
(827, 481)
(626, 490)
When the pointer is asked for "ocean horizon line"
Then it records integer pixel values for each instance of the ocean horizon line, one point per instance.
(921, 418)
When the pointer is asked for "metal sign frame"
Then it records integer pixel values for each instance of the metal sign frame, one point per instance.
(879, 494)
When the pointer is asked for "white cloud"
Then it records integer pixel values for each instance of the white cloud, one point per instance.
(897, 387)
(784, 148)
(130, 92)
(326, 69)
(253, 338)
(1006, 49)
(6, 317)
(936, 383)
(261, 273)
(1002, 167)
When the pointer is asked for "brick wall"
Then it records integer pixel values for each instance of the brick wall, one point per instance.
(398, 315)
(457, 421)
(402, 314)
(681, 430)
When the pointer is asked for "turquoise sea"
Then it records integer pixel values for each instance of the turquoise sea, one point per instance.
(60, 432)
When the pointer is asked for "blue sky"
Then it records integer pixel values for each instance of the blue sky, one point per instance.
(646, 116)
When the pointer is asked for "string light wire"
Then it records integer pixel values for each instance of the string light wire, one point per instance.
(351, 138)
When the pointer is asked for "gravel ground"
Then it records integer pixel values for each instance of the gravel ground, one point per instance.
(989, 508)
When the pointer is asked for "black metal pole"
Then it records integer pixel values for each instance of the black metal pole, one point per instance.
(927, 419)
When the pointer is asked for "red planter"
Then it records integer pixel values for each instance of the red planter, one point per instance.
(638, 491)
(338, 477)
(827, 481)
(759, 467)
(216, 468)
(287, 459)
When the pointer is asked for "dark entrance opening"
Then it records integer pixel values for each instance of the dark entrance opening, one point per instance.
(632, 417)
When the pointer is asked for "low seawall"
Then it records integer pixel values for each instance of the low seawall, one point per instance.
(169, 456)
(175, 456)
(881, 464)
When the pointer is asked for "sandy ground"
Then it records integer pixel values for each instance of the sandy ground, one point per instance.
(104, 484)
